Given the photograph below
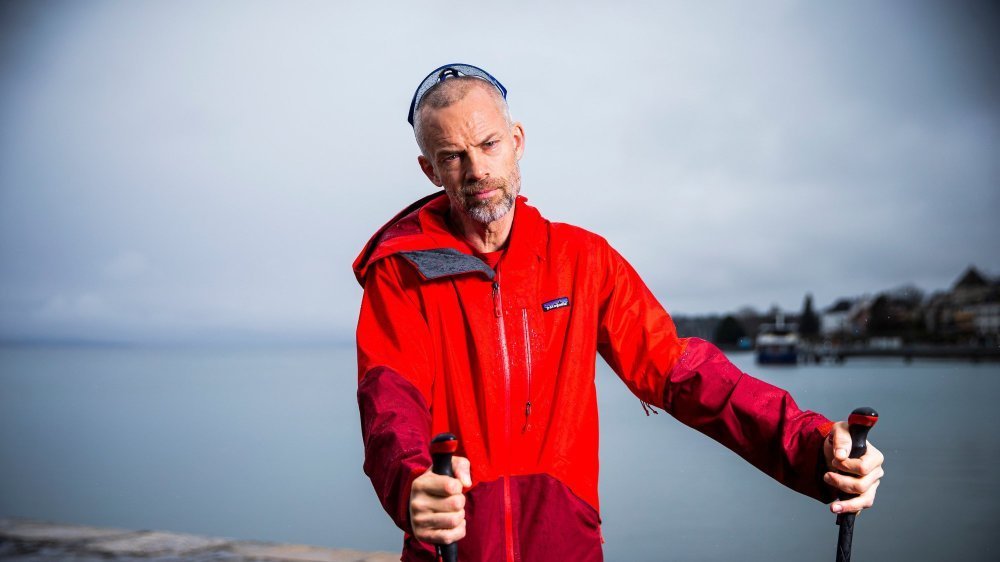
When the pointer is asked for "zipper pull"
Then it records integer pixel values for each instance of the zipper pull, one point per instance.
(496, 298)
(527, 417)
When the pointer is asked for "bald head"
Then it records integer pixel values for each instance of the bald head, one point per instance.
(448, 92)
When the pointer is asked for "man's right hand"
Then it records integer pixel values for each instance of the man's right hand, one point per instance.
(437, 505)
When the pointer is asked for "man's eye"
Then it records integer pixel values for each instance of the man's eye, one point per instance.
(450, 158)
(491, 144)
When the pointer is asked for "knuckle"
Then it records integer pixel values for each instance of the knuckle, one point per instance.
(854, 485)
(423, 534)
(436, 536)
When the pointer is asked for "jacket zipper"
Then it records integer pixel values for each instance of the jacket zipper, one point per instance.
(505, 358)
(527, 367)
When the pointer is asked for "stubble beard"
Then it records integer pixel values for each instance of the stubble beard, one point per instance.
(499, 205)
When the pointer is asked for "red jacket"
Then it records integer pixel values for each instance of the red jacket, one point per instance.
(505, 360)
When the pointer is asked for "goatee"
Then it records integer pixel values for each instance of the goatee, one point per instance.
(495, 208)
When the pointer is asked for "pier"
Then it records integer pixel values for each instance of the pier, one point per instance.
(26, 540)
(839, 354)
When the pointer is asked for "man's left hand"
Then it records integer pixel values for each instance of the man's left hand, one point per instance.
(862, 475)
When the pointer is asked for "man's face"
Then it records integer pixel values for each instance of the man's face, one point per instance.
(472, 153)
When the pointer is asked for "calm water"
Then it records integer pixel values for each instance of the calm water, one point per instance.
(265, 444)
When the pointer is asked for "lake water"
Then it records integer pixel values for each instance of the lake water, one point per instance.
(265, 444)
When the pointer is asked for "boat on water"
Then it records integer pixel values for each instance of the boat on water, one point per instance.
(778, 343)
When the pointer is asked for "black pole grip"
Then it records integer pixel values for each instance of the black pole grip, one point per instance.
(859, 424)
(442, 447)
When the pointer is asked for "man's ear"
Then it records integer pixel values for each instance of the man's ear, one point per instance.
(428, 169)
(517, 132)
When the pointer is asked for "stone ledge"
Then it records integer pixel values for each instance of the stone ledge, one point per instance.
(40, 541)
(28, 530)
(155, 543)
(302, 553)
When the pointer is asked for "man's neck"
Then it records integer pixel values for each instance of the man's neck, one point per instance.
(482, 238)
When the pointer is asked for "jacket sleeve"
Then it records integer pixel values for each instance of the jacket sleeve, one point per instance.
(395, 376)
(698, 385)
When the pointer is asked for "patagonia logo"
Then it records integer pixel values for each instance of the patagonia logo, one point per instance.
(556, 303)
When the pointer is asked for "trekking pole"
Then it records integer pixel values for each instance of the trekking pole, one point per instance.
(860, 421)
(442, 447)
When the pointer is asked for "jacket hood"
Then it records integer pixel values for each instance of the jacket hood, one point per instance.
(420, 232)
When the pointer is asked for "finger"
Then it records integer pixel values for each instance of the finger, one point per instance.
(439, 521)
(841, 441)
(854, 505)
(853, 484)
(441, 536)
(424, 505)
(861, 466)
(872, 460)
(437, 485)
(463, 470)
(450, 504)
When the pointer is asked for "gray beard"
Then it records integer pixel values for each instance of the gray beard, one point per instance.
(488, 212)
(492, 212)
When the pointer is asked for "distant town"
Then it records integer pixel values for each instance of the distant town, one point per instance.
(962, 321)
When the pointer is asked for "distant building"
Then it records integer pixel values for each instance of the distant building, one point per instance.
(971, 309)
(897, 313)
(836, 319)
(846, 319)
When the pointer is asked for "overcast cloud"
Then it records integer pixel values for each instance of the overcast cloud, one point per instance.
(208, 170)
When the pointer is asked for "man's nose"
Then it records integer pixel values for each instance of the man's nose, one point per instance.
(475, 168)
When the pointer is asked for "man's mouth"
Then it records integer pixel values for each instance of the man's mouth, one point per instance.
(484, 194)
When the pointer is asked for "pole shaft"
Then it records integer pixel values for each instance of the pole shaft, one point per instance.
(846, 536)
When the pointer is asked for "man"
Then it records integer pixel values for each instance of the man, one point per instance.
(482, 318)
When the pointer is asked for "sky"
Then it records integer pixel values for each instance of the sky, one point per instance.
(207, 171)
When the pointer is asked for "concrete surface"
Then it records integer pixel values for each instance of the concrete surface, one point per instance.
(26, 540)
